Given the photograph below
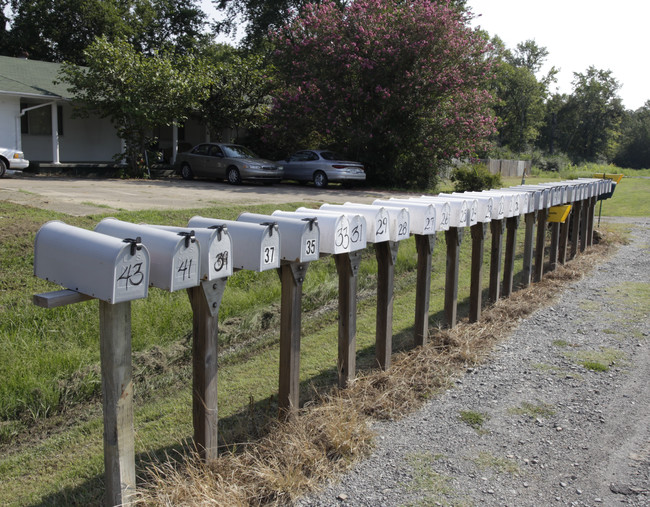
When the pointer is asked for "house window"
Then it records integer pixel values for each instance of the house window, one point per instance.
(38, 122)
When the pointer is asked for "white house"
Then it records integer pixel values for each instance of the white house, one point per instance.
(36, 117)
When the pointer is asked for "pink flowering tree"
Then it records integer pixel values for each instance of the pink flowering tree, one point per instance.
(400, 85)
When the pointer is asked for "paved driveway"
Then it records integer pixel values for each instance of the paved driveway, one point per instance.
(79, 197)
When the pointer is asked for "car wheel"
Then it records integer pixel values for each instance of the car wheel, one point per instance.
(320, 179)
(3, 168)
(186, 172)
(234, 178)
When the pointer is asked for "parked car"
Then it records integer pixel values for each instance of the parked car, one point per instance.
(227, 161)
(11, 159)
(322, 167)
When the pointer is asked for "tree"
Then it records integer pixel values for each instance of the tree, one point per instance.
(634, 150)
(135, 91)
(589, 121)
(61, 30)
(400, 85)
(520, 94)
(240, 85)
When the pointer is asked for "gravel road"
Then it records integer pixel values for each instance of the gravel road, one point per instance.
(555, 432)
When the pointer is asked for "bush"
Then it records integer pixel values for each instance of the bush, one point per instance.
(474, 178)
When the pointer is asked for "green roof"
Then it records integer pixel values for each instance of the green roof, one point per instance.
(19, 76)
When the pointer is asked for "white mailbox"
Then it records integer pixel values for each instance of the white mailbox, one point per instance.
(484, 204)
(422, 215)
(333, 229)
(175, 258)
(557, 193)
(523, 203)
(355, 237)
(216, 249)
(255, 247)
(443, 210)
(509, 199)
(535, 197)
(458, 209)
(546, 194)
(111, 269)
(498, 209)
(377, 219)
(299, 237)
(399, 220)
(472, 206)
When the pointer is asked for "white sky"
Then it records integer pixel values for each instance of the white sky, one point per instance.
(610, 35)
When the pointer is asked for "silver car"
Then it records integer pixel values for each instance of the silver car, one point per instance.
(11, 159)
(227, 161)
(322, 167)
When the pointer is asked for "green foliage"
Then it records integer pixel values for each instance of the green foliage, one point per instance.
(634, 146)
(62, 30)
(473, 418)
(135, 91)
(473, 178)
(240, 88)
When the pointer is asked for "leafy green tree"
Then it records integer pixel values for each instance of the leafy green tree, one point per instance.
(135, 91)
(634, 150)
(400, 85)
(61, 30)
(240, 87)
(588, 123)
(520, 94)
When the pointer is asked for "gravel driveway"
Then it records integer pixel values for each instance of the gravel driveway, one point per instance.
(555, 432)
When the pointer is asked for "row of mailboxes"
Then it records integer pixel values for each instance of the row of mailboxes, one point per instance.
(119, 260)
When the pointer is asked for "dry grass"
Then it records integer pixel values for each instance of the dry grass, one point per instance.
(326, 437)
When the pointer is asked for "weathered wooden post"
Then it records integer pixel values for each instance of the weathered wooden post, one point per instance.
(584, 223)
(347, 267)
(424, 245)
(555, 245)
(497, 228)
(590, 225)
(529, 221)
(386, 253)
(540, 244)
(575, 228)
(453, 238)
(478, 232)
(512, 224)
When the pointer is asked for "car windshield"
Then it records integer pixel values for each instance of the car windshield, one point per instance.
(236, 151)
(330, 155)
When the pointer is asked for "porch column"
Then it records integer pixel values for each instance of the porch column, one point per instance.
(174, 143)
(55, 134)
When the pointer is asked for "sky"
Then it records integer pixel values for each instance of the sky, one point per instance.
(610, 35)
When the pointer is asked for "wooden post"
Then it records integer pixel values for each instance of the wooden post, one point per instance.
(555, 244)
(584, 223)
(386, 253)
(347, 266)
(424, 244)
(117, 398)
(575, 228)
(205, 301)
(539, 245)
(497, 228)
(478, 232)
(590, 224)
(511, 249)
(564, 241)
(454, 238)
(292, 275)
(529, 219)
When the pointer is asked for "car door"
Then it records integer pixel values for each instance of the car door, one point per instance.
(215, 164)
(299, 167)
(196, 159)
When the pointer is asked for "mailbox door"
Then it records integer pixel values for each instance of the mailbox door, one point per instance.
(400, 228)
(333, 228)
(377, 219)
(422, 216)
